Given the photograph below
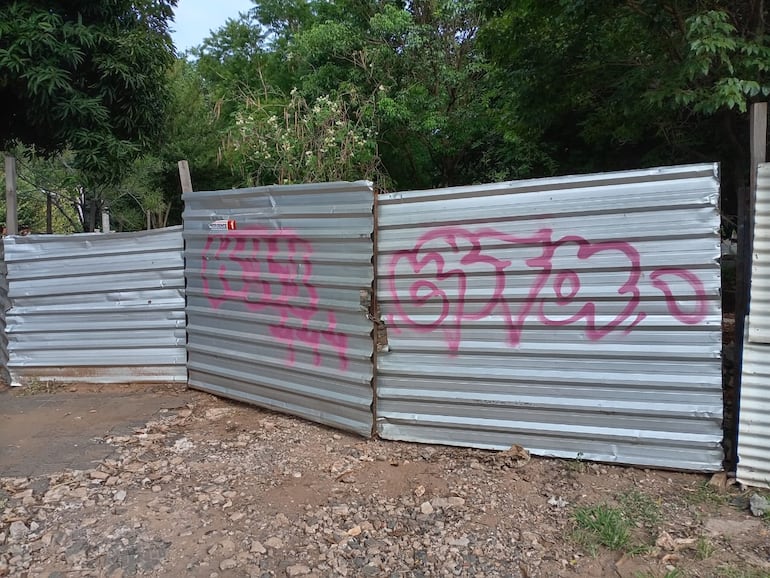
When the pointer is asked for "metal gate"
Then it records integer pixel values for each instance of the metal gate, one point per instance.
(279, 283)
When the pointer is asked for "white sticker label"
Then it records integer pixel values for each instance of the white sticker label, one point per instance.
(222, 225)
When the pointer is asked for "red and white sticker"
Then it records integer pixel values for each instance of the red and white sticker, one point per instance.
(222, 225)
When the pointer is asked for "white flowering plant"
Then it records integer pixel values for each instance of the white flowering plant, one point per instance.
(330, 138)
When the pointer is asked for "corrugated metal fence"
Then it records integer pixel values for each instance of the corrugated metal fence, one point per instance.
(278, 286)
(576, 316)
(96, 308)
(754, 428)
(4, 376)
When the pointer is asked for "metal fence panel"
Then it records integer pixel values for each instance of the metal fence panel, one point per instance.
(4, 375)
(759, 319)
(96, 308)
(754, 427)
(576, 316)
(278, 307)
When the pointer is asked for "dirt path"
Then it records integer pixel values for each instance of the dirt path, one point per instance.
(205, 487)
(42, 431)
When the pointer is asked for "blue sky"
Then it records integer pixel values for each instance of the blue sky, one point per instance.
(194, 19)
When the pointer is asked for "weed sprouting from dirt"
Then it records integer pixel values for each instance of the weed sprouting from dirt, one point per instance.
(36, 387)
(578, 465)
(616, 526)
(733, 572)
(703, 548)
(675, 573)
(608, 525)
(640, 507)
(702, 494)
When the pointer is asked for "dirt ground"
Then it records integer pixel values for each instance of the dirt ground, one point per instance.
(163, 481)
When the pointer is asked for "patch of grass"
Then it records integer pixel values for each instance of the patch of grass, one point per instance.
(732, 572)
(587, 540)
(36, 387)
(639, 507)
(639, 549)
(608, 526)
(577, 465)
(675, 573)
(703, 548)
(703, 494)
(616, 526)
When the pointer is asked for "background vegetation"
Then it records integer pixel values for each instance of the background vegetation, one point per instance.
(418, 94)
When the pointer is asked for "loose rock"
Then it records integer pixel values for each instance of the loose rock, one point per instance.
(759, 505)
(274, 542)
(18, 531)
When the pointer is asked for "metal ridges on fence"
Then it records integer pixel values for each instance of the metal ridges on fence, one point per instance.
(4, 375)
(754, 428)
(278, 289)
(575, 316)
(759, 318)
(96, 308)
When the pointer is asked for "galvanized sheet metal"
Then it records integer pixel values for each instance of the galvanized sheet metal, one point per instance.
(576, 316)
(278, 308)
(754, 428)
(4, 375)
(96, 308)
(759, 318)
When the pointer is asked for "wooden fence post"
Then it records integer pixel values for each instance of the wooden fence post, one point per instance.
(184, 177)
(758, 149)
(48, 214)
(11, 220)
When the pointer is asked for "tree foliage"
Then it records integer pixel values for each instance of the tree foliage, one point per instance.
(84, 75)
(418, 59)
(609, 84)
(411, 94)
(326, 140)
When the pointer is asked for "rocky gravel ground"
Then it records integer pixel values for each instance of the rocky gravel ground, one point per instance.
(220, 489)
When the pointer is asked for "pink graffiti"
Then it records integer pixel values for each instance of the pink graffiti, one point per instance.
(263, 269)
(441, 298)
(701, 307)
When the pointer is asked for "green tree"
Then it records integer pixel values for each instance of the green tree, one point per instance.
(88, 76)
(231, 60)
(138, 195)
(421, 62)
(195, 129)
(611, 84)
(40, 177)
